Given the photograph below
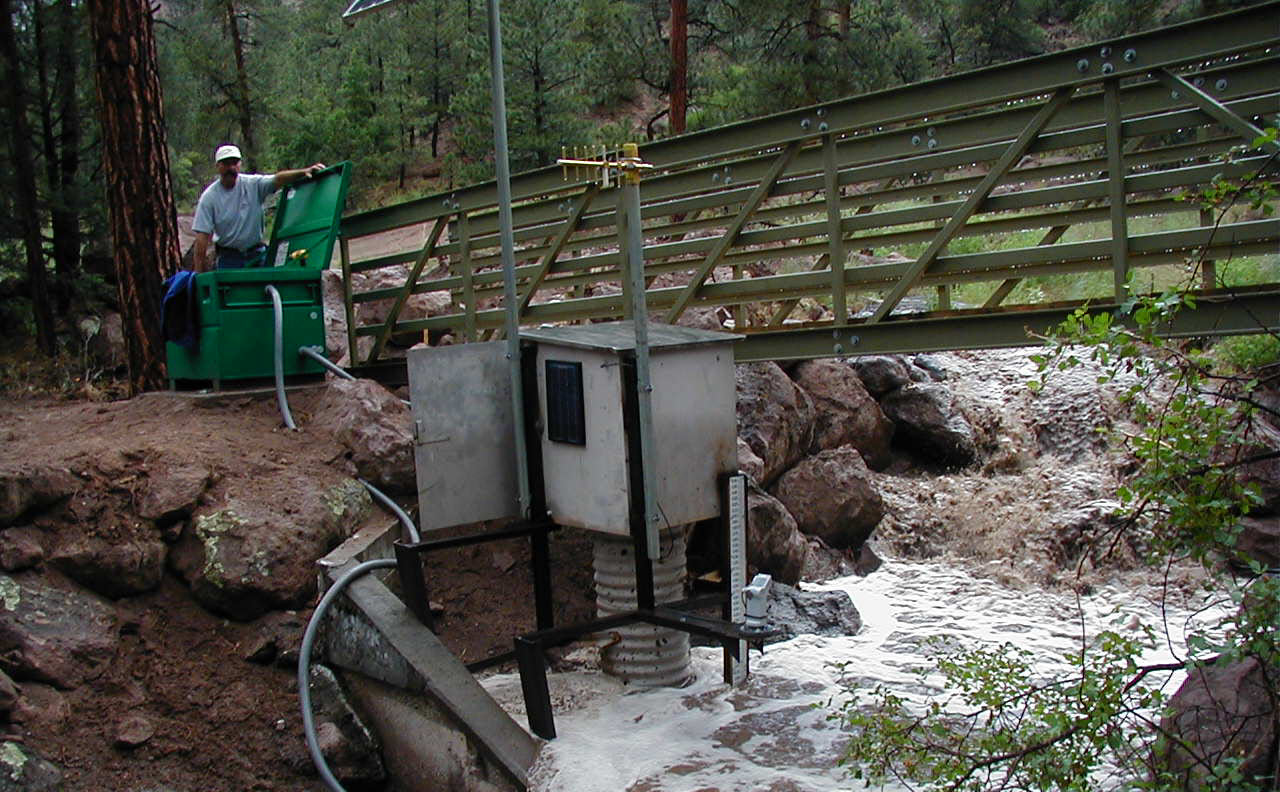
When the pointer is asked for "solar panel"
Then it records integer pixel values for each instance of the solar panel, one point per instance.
(361, 6)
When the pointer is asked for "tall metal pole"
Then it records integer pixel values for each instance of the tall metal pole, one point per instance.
(630, 179)
(508, 250)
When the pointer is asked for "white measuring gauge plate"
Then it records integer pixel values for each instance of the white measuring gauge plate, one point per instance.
(736, 670)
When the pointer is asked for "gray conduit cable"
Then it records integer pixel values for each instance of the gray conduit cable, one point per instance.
(279, 357)
(409, 527)
(304, 665)
(317, 354)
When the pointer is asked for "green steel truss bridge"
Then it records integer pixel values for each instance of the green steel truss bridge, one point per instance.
(961, 212)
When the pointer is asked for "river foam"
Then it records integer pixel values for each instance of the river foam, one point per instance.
(774, 734)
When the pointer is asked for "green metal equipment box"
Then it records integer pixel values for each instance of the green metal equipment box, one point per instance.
(237, 325)
(237, 318)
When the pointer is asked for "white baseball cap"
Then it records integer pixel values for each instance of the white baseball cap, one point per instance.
(226, 151)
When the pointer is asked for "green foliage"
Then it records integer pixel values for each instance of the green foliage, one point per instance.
(545, 104)
(1248, 352)
(1111, 18)
(999, 706)
(995, 32)
(1258, 193)
(781, 56)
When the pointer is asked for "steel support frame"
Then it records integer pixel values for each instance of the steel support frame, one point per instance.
(348, 299)
(1015, 152)
(1214, 109)
(1217, 312)
(835, 238)
(411, 558)
(1116, 190)
(530, 648)
(428, 250)
(1145, 250)
(890, 218)
(468, 277)
(722, 245)
(557, 246)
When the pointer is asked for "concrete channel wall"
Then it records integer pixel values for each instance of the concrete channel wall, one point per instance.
(440, 731)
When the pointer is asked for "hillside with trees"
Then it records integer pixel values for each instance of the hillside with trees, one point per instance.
(403, 92)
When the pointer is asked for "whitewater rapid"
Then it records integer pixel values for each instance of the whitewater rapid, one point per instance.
(774, 734)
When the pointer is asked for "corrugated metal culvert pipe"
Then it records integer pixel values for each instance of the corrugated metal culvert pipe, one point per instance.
(644, 655)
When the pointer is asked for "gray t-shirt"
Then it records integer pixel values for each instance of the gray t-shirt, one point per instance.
(234, 216)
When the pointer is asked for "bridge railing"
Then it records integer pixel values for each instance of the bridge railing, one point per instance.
(997, 191)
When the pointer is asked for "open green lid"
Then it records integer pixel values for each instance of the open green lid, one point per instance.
(309, 218)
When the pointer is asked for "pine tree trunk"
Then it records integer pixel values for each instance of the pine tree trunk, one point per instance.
(65, 218)
(144, 227)
(244, 114)
(679, 64)
(25, 176)
(60, 133)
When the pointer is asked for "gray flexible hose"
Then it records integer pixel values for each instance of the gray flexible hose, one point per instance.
(279, 357)
(304, 665)
(409, 527)
(317, 354)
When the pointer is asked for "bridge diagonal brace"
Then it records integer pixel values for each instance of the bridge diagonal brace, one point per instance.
(1006, 288)
(1016, 150)
(427, 251)
(1215, 109)
(544, 266)
(758, 195)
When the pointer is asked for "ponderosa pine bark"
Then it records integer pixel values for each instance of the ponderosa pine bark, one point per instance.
(244, 114)
(679, 64)
(144, 228)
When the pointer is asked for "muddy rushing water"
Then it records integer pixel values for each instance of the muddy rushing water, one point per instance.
(1047, 465)
(774, 734)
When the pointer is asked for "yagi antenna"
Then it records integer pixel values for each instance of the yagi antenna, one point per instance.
(361, 6)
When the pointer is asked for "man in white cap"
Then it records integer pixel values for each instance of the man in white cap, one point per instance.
(229, 212)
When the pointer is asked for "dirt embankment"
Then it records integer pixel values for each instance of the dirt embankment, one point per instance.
(163, 692)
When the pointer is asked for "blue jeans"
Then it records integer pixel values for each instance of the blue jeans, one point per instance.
(230, 258)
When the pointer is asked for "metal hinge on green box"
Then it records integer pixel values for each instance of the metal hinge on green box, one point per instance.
(237, 318)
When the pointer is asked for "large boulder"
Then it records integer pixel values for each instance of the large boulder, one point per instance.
(377, 429)
(1222, 711)
(53, 635)
(775, 417)
(1259, 540)
(335, 321)
(1263, 473)
(844, 413)
(173, 490)
(831, 496)
(28, 488)
(247, 556)
(8, 696)
(881, 374)
(114, 567)
(349, 746)
(796, 612)
(20, 548)
(774, 544)
(748, 462)
(418, 306)
(930, 425)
